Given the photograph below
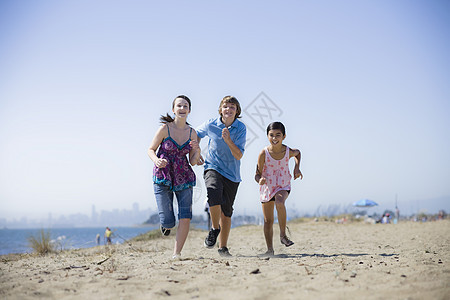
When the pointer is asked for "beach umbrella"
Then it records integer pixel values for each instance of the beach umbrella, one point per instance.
(365, 203)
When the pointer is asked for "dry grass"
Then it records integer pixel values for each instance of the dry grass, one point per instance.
(151, 235)
(346, 217)
(156, 234)
(41, 243)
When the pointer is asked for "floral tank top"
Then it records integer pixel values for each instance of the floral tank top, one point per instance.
(177, 174)
(277, 176)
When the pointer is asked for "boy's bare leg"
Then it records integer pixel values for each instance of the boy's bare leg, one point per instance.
(267, 208)
(225, 227)
(215, 212)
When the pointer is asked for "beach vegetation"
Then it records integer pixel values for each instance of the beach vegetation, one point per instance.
(342, 218)
(41, 243)
(155, 234)
(150, 235)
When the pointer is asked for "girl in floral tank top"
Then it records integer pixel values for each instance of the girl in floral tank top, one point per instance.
(172, 175)
(274, 179)
(276, 173)
(178, 174)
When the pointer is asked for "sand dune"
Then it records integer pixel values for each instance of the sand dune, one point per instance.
(328, 261)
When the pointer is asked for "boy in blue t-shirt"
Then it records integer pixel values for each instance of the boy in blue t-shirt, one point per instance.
(222, 175)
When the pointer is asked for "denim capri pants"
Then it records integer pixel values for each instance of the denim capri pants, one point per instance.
(164, 200)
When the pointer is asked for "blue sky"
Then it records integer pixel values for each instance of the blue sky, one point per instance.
(362, 87)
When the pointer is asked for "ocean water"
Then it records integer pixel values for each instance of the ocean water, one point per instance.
(16, 240)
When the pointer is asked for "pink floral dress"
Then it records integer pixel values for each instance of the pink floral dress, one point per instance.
(277, 176)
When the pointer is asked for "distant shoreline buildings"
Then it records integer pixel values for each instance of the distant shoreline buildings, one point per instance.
(136, 217)
(114, 217)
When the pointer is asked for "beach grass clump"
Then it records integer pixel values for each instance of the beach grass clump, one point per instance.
(150, 235)
(156, 234)
(41, 243)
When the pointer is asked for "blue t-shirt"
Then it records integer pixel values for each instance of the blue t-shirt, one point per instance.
(219, 156)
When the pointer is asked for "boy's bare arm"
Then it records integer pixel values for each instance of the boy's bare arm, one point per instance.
(235, 151)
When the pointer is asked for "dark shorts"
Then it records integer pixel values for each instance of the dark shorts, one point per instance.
(220, 191)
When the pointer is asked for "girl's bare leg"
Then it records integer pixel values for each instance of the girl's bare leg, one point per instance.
(280, 198)
(182, 233)
(267, 208)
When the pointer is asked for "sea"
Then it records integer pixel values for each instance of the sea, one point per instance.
(16, 240)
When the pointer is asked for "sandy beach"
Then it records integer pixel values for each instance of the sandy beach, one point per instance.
(328, 261)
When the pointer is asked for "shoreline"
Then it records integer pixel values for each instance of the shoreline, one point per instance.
(328, 261)
(17, 240)
(155, 233)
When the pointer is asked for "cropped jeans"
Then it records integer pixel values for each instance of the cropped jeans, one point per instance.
(164, 200)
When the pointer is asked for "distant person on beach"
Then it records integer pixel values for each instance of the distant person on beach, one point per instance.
(97, 238)
(386, 218)
(222, 168)
(274, 179)
(397, 214)
(108, 234)
(172, 174)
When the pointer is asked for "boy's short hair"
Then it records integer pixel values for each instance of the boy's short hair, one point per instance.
(232, 100)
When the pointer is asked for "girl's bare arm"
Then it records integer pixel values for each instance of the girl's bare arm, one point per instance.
(157, 139)
(194, 154)
(297, 157)
(259, 168)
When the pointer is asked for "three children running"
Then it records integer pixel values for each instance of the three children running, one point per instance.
(172, 173)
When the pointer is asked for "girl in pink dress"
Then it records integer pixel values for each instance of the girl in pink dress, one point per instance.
(274, 178)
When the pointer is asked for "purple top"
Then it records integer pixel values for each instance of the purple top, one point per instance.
(178, 174)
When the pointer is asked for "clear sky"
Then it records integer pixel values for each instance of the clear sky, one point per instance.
(362, 87)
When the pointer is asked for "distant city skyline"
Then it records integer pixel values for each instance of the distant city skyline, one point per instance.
(113, 217)
(136, 217)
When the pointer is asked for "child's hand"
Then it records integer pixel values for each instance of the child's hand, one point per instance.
(194, 145)
(226, 134)
(297, 174)
(262, 181)
(201, 160)
(161, 163)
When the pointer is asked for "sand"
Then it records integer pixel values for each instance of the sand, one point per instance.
(328, 261)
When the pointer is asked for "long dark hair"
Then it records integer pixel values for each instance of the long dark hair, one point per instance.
(167, 118)
(276, 125)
